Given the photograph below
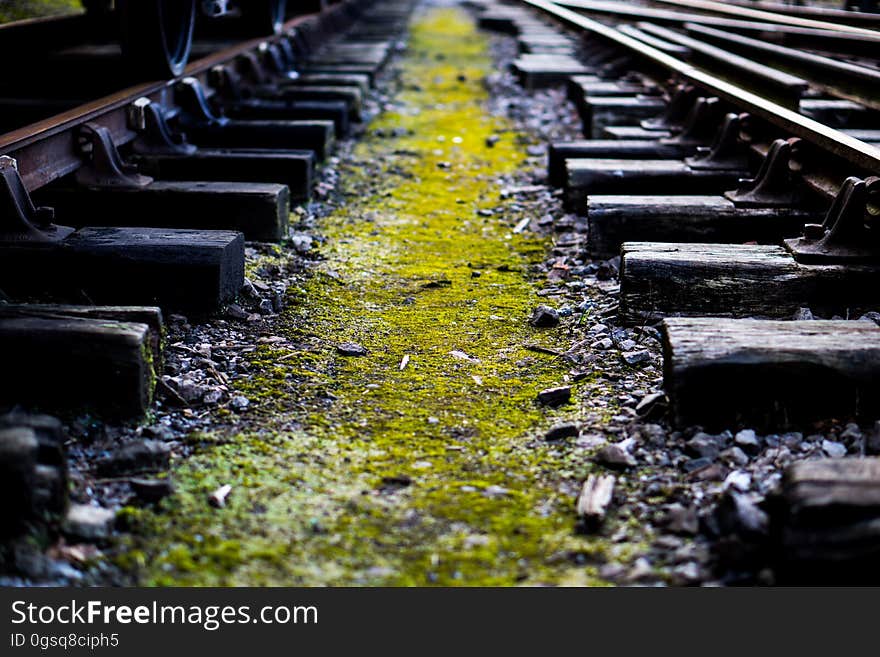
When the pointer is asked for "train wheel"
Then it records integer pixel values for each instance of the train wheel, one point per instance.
(157, 35)
(264, 16)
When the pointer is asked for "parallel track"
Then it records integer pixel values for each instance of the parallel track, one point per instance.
(854, 151)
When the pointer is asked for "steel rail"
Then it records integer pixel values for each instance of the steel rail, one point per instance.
(840, 79)
(790, 86)
(822, 72)
(828, 139)
(870, 37)
(822, 13)
(766, 16)
(47, 150)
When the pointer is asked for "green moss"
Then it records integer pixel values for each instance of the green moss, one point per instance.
(358, 471)
(13, 10)
(150, 371)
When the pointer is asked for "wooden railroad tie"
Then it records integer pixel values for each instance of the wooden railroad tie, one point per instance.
(636, 149)
(33, 472)
(585, 177)
(735, 280)
(613, 220)
(632, 132)
(546, 44)
(721, 372)
(597, 112)
(540, 71)
(315, 136)
(70, 359)
(826, 522)
(260, 211)
(293, 169)
(582, 87)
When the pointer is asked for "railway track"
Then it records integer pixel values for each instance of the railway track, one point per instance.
(139, 202)
(749, 200)
(145, 196)
(733, 171)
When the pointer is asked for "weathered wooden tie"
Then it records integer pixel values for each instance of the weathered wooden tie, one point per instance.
(550, 44)
(597, 112)
(177, 268)
(581, 87)
(620, 149)
(833, 268)
(613, 220)
(837, 113)
(183, 268)
(75, 363)
(736, 280)
(149, 315)
(351, 80)
(315, 136)
(315, 67)
(540, 71)
(632, 132)
(351, 96)
(294, 169)
(282, 111)
(44, 495)
(260, 211)
(585, 177)
(826, 522)
(864, 134)
(721, 372)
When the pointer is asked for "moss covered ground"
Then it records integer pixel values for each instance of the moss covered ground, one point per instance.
(13, 10)
(359, 470)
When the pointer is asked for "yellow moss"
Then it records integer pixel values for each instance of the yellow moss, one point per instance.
(413, 270)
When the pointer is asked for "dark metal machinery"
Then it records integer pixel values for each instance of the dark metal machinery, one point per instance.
(156, 35)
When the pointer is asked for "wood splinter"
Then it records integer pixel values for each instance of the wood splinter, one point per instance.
(217, 499)
(594, 500)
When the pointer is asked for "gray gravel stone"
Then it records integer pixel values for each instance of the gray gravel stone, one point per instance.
(650, 403)
(735, 455)
(239, 403)
(692, 465)
(703, 445)
(872, 444)
(562, 431)
(137, 456)
(152, 490)
(682, 520)
(89, 523)
(352, 349)
(555, 396)
(636, 357)
(748, 441)
(833, 449)
(851, 434)
(544, 317)
(615, 456)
